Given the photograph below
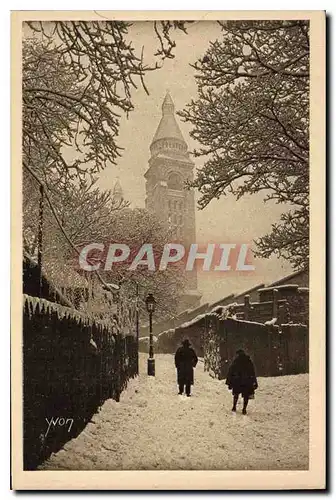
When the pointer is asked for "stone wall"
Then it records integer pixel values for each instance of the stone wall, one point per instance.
(275, 349)
(170, 340)
(295, 347)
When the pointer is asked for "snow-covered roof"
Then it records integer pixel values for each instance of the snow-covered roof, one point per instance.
(289, 276)
(192, 321)
(280, 287)
(271, 321)
(246, 321)
(217, 309)
(146, 339)
(294, 324)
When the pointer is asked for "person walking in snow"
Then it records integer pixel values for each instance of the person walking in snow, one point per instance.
(241, 379)
(185, 362)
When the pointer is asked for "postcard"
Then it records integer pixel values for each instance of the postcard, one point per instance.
(168, 250)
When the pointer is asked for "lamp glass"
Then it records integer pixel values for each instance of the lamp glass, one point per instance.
(150, 303)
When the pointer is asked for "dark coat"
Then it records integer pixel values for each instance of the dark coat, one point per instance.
(185, 362)
(241, 376)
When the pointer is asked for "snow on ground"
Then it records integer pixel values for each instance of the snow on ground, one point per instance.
(154, 428)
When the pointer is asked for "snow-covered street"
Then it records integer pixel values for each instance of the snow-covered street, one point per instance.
(154, 428)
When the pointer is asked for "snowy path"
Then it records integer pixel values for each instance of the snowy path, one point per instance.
(154, 428)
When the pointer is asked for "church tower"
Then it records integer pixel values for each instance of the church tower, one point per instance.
(169, 169)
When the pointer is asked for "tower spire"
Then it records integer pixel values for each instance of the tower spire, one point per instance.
(168, 107)
(168, 128)
(169, 169)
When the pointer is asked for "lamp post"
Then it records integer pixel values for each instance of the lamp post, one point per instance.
(150, 304)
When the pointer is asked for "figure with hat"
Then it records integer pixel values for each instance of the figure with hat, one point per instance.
(185, 362)
(241, 379)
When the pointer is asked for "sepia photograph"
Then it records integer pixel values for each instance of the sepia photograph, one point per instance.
(168, 216)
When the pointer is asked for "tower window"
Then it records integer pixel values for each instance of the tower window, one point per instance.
(175, 182)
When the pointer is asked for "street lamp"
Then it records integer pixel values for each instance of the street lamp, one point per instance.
(150, 304)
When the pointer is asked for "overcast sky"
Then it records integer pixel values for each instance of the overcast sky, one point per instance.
(224, 220)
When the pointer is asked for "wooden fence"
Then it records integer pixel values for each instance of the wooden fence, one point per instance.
(72, 364)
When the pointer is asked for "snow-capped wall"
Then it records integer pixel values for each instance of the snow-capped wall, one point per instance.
(72, 363)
